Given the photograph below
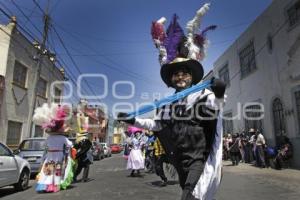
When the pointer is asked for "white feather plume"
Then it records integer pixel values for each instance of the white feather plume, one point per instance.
(192, 27)
(194, 24)
(45, 113)
(162, 54)
(162, 20)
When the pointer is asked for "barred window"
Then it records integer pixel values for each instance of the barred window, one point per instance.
(247, 60)
(227, 123)
(57, 94)
(278, 117)
(253, 117)
(38, 131)
(297, 98)
(293, 14)
(42, 87)
(14, 133)
(224, 74)
(20, 74)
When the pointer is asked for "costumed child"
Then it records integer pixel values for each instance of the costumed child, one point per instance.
(135, 161)
(190, 129)
(57, 169)
(149, 153)
(83, 146)
(160, 158)
(126, 137)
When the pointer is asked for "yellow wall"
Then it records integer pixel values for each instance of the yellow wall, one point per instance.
(117, 138)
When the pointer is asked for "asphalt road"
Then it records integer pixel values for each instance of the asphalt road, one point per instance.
(110, 181)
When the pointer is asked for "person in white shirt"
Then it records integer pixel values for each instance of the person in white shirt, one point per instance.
(260, 152)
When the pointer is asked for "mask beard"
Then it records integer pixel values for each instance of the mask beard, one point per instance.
(182, 84)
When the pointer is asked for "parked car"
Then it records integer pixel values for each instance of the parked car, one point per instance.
(115, 148)
(14, 170)
(97, 151)
(32, 150)
(107, 150)
(121, 147)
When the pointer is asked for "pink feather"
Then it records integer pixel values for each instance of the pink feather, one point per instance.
(157, 31)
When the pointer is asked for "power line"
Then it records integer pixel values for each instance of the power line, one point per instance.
(16, 5)
(55, 5)
(234, 25)
(28, 33)
(21, 45)
(61, 41)
(93, 37)
(112, 54)
(72, 60)
(127, 72)
(31, 33)
(30, 15)
(39, 7)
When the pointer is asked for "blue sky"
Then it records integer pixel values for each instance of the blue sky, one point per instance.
(112, 37)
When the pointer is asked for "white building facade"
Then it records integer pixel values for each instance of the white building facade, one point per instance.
(262, 72)
(18, 67)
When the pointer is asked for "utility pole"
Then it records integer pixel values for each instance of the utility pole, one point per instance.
(41, 52)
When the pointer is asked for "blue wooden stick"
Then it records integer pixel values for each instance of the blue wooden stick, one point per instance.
(169, 99)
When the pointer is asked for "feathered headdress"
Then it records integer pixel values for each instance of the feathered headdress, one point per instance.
(133, 129)
(174, 44)
(50, 117)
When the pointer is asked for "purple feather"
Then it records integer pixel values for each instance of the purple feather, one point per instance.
(212, 27)
(174, 36)
(199, 39)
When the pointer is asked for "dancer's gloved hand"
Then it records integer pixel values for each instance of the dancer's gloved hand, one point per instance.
(123, 117)
(218, 87)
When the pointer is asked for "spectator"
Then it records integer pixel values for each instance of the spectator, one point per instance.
(285, 153)
(242, 147)
(252, 141)
(260, 152)
(247, 149)
(225, 148)
(234, 150)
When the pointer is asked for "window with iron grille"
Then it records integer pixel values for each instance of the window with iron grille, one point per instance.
(20, 74)
(247, 60)
(297, 98)
(253, 117)
(224, 74)
(38, 131)
(13, 133)
(41, 87)
(227, 123)
(57, 94)
(293, 14)
(278, 117)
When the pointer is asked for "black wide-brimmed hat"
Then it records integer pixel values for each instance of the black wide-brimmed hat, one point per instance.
(177, 50)
(193, 66)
